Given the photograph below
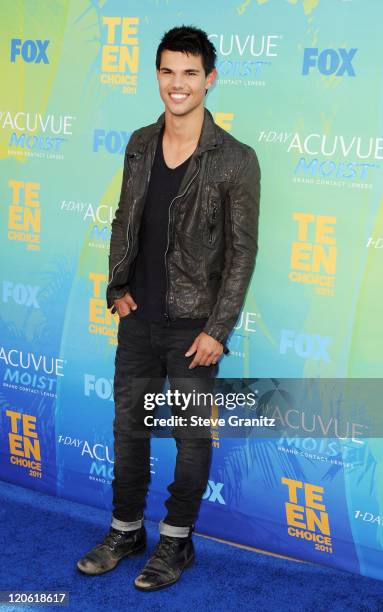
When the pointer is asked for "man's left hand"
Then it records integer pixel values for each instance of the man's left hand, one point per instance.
(207, 349)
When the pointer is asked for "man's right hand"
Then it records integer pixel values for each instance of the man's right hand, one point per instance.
(124, 305)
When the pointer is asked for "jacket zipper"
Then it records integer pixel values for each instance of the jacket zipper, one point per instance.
(212, 222)
(126, 252)
(167, 246)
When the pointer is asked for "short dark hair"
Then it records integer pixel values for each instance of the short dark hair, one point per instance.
(188, 39)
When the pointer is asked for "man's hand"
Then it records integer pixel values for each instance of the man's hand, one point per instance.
(207, 349)
(124, 305)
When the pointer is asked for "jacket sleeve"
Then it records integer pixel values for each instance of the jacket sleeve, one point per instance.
(118, 240)
(241, 239)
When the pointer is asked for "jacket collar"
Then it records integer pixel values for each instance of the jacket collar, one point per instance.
(210, 137)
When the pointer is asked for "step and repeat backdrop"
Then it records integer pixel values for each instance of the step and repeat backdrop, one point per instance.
(301, 82)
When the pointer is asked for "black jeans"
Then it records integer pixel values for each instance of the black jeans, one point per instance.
(146, 354)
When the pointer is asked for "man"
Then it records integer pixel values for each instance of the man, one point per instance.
(182, 252)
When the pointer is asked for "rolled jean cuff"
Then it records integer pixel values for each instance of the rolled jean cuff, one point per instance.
(174, 532)
(130, 526)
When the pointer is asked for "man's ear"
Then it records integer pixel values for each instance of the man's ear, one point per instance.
(211, 78)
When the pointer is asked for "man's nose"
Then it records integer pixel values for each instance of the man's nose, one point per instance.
(177, 81)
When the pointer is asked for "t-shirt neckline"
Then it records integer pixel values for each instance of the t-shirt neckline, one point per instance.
(161, 151)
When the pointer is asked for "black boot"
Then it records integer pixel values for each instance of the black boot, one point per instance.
(116, 545)
(171, 556)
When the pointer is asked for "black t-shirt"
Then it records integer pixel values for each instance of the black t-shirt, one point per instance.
(148, 283)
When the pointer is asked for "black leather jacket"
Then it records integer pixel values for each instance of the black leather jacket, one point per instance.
(212, 228)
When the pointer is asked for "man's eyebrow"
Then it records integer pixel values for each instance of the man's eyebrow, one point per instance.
(185, 70)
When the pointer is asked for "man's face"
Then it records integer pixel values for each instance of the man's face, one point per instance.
(182, 81)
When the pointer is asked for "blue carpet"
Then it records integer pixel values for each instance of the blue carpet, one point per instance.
(42, 537)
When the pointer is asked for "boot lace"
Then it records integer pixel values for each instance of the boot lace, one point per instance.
(113, 539)
(166, 546)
